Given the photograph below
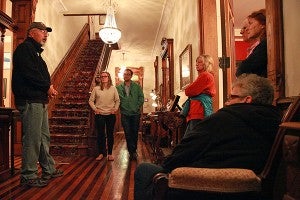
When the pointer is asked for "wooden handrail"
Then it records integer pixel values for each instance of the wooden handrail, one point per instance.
(103, 62)
(67, 62)
(7, 22)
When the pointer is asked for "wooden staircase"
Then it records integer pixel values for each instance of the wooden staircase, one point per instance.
(69, 120)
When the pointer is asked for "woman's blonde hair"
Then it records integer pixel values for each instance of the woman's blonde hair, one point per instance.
(208, 62)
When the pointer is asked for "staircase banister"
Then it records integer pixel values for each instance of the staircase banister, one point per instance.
(68, 59)
(67, 62)
(103, 62)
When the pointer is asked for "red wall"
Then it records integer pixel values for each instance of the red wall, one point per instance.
(241, 50)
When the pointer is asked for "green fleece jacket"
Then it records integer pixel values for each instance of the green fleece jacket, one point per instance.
(131, 104)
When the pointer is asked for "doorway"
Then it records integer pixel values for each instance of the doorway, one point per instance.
(274, 30)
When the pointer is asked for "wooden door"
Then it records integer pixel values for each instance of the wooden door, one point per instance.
(275, 44)
(274, 28)
(227, 61)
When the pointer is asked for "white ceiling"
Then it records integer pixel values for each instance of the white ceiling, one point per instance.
(139, 20)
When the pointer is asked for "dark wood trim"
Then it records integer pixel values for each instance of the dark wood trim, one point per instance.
(167, 58)
(7, 22)
(274, 27)
(209, 38)
(8, 124)
(156, 74)
(171, 67)
(201, 26)
(3, 5)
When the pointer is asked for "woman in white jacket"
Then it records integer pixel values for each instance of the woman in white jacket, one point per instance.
(105, 101)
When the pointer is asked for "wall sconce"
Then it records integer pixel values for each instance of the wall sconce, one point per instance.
(156, 99)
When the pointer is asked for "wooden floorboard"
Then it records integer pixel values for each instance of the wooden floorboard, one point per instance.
(84, 177)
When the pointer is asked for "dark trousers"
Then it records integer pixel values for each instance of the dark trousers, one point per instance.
(105, 125)
(131, 125)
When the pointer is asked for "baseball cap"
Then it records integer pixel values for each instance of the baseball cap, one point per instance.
(39, 25)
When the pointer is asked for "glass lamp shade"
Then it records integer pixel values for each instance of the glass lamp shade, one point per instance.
(154, 104)
(110, 34)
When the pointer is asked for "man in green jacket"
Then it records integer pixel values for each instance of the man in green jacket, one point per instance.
(131, 102)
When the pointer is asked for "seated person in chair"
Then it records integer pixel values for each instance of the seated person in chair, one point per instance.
(240, 135)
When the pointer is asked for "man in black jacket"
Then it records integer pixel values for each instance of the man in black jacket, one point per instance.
(32, 89)
(240, 135)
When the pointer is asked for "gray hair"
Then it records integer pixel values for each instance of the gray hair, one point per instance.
(259, 88)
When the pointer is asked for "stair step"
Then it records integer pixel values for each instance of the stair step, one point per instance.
(72, 105)
(74, 102)
(71, 113)
(75, 92)
(69, 121)
(69, 98)
(68, 150)
(78, 87)
(69, 129)
(67, 139)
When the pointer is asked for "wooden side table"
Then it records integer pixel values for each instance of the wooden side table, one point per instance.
(8, 124)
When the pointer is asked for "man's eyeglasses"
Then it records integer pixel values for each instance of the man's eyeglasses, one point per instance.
(45, 32)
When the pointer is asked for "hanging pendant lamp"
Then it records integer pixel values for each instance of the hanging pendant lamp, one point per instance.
(110, 34)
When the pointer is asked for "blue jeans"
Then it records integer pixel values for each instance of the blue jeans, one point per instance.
(35, 140)
(131, 124)
(143, 185)
(105, 129)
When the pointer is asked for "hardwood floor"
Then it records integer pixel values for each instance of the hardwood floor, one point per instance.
(84, 177)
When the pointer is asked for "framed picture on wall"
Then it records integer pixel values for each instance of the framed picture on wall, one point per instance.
(185, 64)
(4, 89)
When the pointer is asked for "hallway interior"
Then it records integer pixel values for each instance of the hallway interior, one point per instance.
(84, 177)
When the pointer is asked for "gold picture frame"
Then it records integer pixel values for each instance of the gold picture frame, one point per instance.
(185, 63)
(4, 89)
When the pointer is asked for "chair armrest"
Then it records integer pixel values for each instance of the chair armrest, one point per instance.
(214, 180)
(160, 189)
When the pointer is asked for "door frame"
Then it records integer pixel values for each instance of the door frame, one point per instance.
(274, 29)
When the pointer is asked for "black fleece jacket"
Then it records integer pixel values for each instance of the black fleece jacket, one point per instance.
(30, 76)
(256, 62)
(236, 136)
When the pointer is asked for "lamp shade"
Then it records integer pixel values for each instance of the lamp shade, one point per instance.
(110, 34)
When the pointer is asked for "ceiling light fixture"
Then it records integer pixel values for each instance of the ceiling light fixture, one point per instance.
(110, 34)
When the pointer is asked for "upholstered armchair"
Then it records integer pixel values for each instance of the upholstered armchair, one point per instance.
(229, 183)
